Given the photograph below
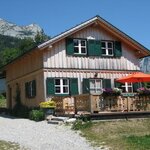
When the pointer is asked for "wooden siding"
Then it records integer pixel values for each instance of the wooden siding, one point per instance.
(80, 74)
(56, 57)
(30, 102)
(27, 64)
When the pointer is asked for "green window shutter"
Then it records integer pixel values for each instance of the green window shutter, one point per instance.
(86, 86)
(69, 46)
(74, 86)
(145, 84)
(106, 83)
(117, 49)
(117, 84)
(148, 84)
(34, 88)
(94, 48)
(50, 86)
(26, 89)
(135, 87)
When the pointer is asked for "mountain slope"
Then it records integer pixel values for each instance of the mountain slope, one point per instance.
(16, 40)
(11, 29)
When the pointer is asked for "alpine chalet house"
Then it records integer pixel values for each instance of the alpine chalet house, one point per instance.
(73, 68)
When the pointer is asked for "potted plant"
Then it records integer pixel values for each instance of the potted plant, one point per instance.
(48, 107)
(143, 91)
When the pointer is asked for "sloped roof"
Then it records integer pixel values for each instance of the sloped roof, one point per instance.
(102, 22)
(98, 20)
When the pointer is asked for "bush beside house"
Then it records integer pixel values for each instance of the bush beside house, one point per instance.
(36, 115)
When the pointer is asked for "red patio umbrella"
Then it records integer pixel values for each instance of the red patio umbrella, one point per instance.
(135, 77)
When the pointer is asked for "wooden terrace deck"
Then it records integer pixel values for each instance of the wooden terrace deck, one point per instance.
(120, 115)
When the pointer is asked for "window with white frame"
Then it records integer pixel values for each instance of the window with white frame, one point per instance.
(127, 87)
(107, 48)
(80, 46)
(61, 86)
(95, 85)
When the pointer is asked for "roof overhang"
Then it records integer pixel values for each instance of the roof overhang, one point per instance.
(97, 20)
(104, 24)
(67, 33)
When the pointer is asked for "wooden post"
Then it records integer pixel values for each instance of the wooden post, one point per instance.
(75, 105)
(127, 104)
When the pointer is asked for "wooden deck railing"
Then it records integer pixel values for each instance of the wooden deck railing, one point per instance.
(125, 104)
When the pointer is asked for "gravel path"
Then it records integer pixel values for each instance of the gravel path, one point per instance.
(41, 136)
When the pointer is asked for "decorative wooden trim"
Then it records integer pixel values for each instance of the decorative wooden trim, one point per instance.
(72, 70)
(90, 70)
(103, 23)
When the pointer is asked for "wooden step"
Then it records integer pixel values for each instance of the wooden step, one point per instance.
(63, 119)
(55, 122)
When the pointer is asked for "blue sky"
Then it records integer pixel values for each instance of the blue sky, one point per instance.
(56, 16)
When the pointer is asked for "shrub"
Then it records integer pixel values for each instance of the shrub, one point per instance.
(1, 97)
(79, 125)
(36, 115)
(21, 111)
(85, 118)
(2, 101)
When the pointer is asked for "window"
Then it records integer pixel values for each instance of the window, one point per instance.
(127, 87)
(30, 89)
(107, 48)
(95, 85)
(93, 47)
(79, 46)
(61, 86)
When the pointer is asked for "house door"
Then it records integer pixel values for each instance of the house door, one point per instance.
(9, 97)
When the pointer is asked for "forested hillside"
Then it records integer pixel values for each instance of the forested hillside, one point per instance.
(11, 47)
(8, 42)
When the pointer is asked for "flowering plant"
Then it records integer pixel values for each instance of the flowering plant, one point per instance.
(48, 104)
(143, 91)
(112, 92)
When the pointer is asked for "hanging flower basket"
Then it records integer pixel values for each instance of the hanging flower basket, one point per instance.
(111, 92)
(143, 91)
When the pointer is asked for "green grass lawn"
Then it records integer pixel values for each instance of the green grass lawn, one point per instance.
(139, 142)
(119, 135)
